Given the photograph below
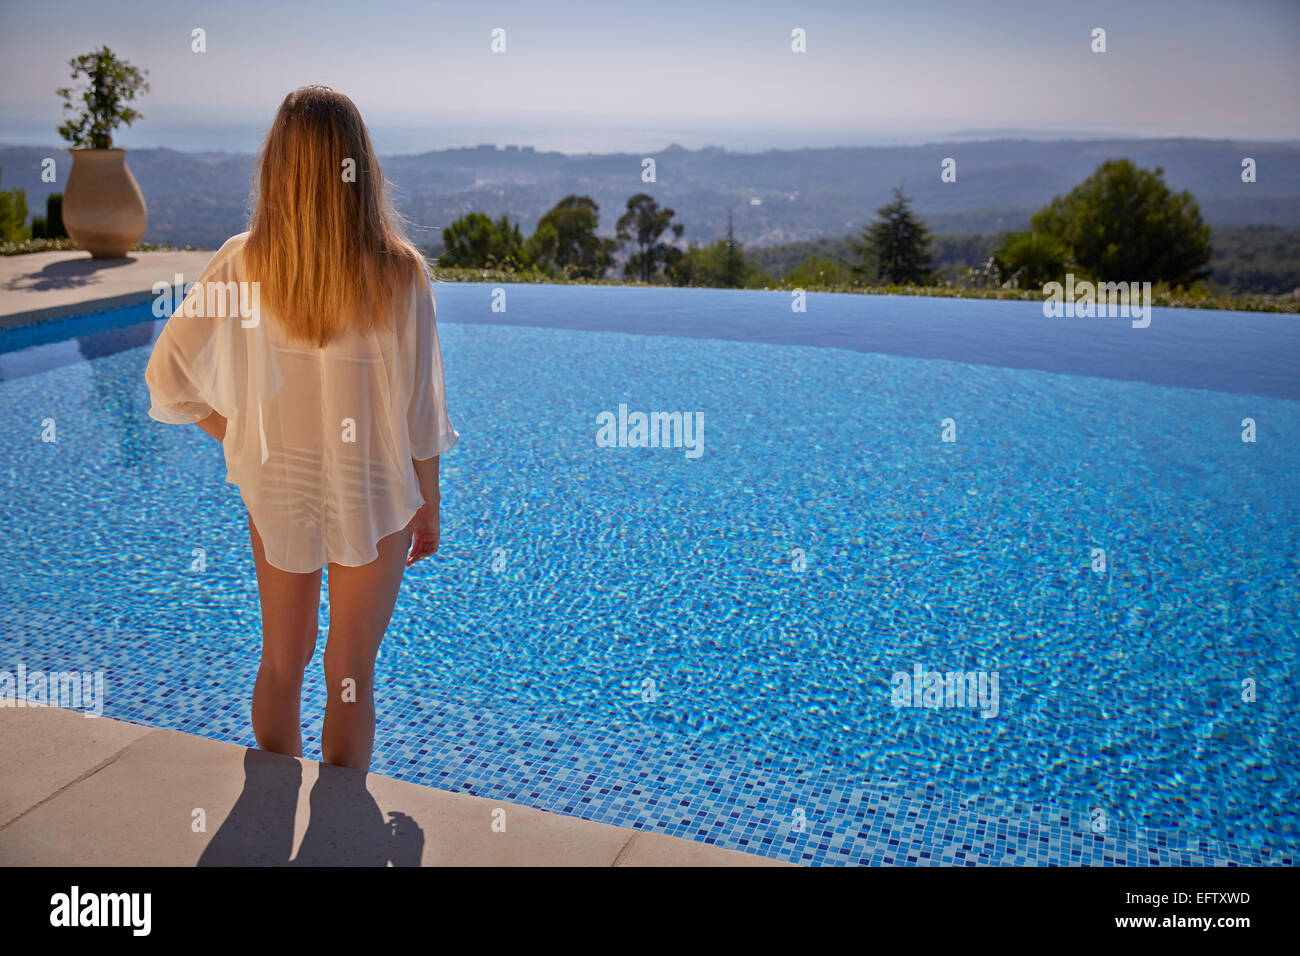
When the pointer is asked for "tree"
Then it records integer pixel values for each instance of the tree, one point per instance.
(1025, 259)
(1124, 223)
(477, 241)
(733, 260)
(699, 266)
(714, 267)
(50, 226)
(896, 247)
(643, 224)
(110, 84)
(577, 250)
(539, 249)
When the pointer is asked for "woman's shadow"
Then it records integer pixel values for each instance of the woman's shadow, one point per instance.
(346, 827)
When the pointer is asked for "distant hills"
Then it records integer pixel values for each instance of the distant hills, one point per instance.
(775, 197)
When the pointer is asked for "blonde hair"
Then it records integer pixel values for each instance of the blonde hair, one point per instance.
(329, 254)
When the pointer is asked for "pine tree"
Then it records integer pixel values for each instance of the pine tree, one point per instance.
(1124, 222)
(896, 247)
(733, 260)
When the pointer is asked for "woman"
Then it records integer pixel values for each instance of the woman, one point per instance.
(308, 347)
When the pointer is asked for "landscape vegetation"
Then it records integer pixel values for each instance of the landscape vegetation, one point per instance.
(998, 218)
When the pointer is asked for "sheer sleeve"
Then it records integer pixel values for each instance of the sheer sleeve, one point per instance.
(174, 392)
(192, 365)
(431, 431)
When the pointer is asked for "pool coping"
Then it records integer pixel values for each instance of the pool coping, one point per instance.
(39, 288)
(95, 791)
(74, 282)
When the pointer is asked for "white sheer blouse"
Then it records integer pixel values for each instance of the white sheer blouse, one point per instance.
(319, 440)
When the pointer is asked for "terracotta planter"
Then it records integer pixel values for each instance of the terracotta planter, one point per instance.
(103, 208)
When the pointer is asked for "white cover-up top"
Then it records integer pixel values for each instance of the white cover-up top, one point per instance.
(319, 440)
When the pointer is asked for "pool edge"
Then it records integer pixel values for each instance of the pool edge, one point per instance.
(133, 796)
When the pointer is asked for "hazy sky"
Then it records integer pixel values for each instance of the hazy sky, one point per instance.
(580, 76)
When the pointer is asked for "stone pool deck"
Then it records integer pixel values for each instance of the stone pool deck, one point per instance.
(92, 791)
(49, 285)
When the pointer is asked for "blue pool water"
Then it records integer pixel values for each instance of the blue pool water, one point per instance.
(571, 576)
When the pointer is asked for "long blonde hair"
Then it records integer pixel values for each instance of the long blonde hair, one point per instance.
(326, 247)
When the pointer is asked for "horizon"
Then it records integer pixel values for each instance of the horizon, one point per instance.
(568, 82)
(524, 148)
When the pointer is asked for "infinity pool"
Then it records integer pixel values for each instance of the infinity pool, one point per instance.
(609, 631)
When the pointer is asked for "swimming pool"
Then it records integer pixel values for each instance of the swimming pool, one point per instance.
(705, 645)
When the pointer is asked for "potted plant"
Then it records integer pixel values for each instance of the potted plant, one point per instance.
(103, 208)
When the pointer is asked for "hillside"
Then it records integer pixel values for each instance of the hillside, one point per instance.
(201, 198)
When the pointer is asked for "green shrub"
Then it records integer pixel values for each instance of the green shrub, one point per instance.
(1025, 260)
(13, 214)
(818, 271)
(476, 240)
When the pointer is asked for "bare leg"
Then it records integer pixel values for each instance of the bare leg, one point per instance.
(361, 602)
(290, 603)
